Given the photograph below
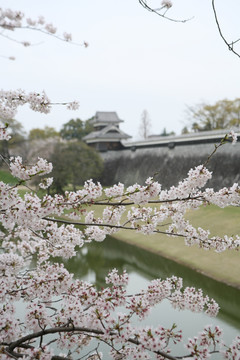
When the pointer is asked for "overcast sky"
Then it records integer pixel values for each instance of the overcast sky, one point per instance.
(135, 60)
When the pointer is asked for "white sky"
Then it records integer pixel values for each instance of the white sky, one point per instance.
(135, 61)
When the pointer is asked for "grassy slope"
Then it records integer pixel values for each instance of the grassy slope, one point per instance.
(7, 178)
(224, 267)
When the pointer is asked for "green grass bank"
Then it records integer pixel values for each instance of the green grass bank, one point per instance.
(224, 267)
(7, 178)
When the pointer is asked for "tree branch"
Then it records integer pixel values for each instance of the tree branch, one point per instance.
(106, 202)
(39, 30)
(229, 45)
(88, 331)
(156, 11)
(39, 334)
(122, 227)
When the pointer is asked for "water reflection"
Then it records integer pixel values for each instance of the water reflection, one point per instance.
(94, 261)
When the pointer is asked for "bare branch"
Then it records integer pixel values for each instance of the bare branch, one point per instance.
(163, 15)
(229, 44)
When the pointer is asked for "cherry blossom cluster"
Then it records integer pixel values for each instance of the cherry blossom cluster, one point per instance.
(9, 19)
(3, 133)
(199, 345)
(46, 182)
(73, 311)
(232, 351)
(89, 311)
(116, 191)
(11, 100)
(167, 3)
(74, 105)
(234, 136)
(141, 194)
(12, 20)
(173, 205)
(21, 171)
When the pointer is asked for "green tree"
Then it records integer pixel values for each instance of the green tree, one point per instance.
(74, 163)
(165, 133)
(184, 130)
(47, 132)
(221, 115)
(76, 129)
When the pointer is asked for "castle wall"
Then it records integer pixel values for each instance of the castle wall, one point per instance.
(169, 166)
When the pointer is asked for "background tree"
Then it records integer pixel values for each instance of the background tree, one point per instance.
(74, 163)
(76, 129)
(165, 133)
(47, 132)
(185, 130)
(18, 137)
(221, 115)
(145, 125)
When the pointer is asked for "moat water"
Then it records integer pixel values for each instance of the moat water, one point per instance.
(94, 261)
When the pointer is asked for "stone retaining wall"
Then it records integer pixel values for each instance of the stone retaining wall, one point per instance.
(171, 165)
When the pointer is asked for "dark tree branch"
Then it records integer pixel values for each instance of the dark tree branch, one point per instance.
(20, 42)
(229, 44)
(156, 11)
(122, 227)
(106, 202)
(65, 329)
(71, 329)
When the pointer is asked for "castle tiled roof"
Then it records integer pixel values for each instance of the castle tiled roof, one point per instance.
(109, 133)
(106, 117)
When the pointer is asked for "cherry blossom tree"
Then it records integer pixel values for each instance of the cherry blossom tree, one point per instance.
(67, 314)
(11, 21)
(73, 311)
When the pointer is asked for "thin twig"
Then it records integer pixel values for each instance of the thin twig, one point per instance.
(19, 42)
(155, 11)
(9, 27)
(229, 45)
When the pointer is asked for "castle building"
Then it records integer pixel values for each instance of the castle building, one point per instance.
(107, 134)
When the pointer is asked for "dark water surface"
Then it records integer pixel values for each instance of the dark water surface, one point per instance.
(94, 261)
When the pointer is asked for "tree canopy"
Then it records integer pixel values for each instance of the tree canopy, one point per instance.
(221, 115)
(47, 132)
(166, 133)
(76, 129)
(74, 163)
